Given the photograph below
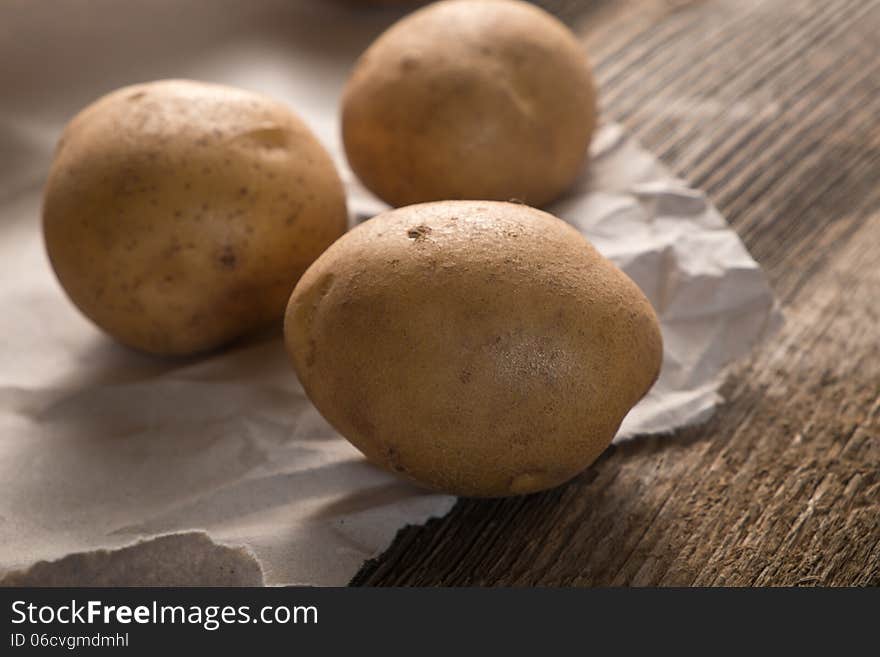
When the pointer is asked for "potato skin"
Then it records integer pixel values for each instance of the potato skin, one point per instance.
(470, 99)
(179, 215)
(479, 348)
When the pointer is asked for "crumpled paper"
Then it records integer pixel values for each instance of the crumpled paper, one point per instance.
(120, 468)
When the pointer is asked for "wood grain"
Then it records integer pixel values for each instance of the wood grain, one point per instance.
(771, 107)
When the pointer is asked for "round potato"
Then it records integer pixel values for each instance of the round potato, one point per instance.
(179, 215)
(470, 99)
(477, 347)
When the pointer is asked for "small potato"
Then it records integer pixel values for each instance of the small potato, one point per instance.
(179, 215)
(470, 99)
(478, 348)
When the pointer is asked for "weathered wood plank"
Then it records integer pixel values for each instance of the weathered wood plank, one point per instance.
(772, 108)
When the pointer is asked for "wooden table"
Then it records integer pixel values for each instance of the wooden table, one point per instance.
(772, 108)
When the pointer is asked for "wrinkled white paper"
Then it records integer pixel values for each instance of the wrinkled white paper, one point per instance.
(104, 451)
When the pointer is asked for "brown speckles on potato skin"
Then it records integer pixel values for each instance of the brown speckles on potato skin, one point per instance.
(418, 233)
(195, 182)
(492, 371)
(227, 258)
(470, 99)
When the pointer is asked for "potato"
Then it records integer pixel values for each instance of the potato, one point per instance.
(477, 347)
(470, 99)
(179, 215)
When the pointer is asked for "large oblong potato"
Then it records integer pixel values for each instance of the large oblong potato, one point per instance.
(470, 99)
(179, 215)
(477, 347)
